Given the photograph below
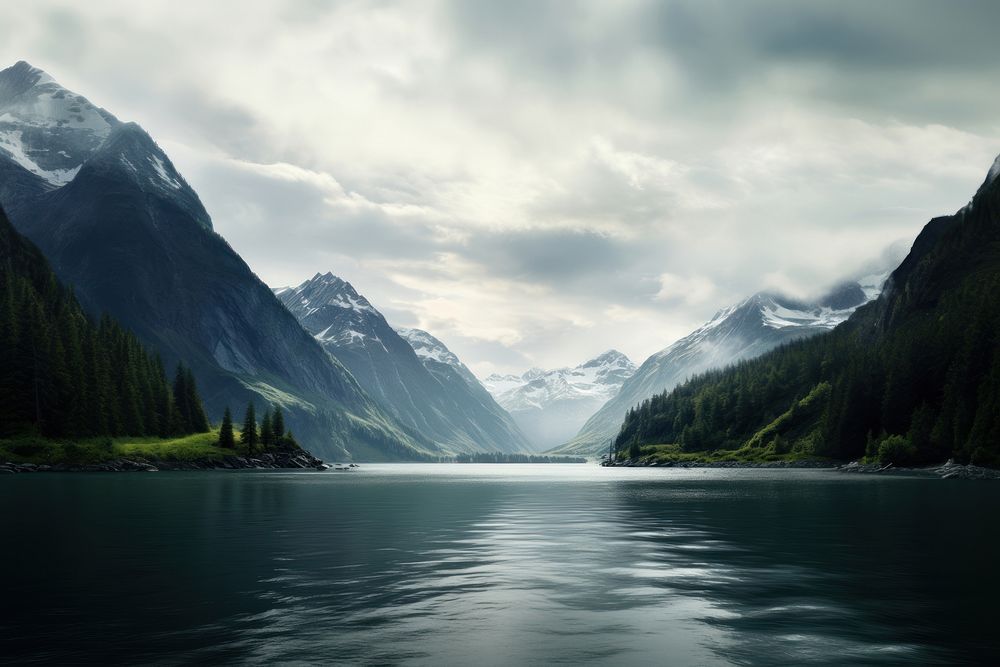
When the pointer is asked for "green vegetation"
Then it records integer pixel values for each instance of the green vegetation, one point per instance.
(189, 412)
(62, 376)
(677, 454)
(194, 447)
(227, 440)
(248, 435)
(33, 449)
(913, 378)
(271, 435)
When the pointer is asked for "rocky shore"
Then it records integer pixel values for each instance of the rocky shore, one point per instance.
(949, 470)
(267, 461)
(630, 463)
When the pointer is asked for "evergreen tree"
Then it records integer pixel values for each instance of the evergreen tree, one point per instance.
(226, 438)
(196, 409)
(266, 431)
(181, 400)
(249, 437)
(278, 425)
(190, 410)
(62, 375)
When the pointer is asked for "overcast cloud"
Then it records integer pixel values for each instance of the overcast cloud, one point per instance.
(536, 182)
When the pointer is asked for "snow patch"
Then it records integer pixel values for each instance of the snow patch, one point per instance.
(10, 143)
(596, 380)
(161, 171)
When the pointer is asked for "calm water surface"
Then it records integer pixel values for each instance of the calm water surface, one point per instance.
(506, 564)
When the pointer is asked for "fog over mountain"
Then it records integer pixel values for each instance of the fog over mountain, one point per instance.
(532, 184)
(550, 405)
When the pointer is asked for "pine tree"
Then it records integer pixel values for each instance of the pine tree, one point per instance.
(266, 431)
(181, 400)
(249, 437)
(278, 425)
(196, 409)
(226, 438)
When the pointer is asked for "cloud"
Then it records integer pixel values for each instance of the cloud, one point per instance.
(537, 182)
(691, 290)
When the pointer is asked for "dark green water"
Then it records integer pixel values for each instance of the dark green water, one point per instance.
(467, 564)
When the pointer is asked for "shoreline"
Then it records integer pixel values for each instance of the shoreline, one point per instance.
(948, 470)
(265, 461)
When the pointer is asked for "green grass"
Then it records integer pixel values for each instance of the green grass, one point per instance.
(674, 454)
(32, 449)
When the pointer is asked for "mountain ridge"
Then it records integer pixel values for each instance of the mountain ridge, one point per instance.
(435, 398)
(550, 405)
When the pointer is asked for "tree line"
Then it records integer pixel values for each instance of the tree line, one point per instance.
(913, 378)
(501, 457)
(269, 435)
(62, 375)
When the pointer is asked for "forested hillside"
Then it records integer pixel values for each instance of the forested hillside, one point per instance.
(62, 375)
(913, 377)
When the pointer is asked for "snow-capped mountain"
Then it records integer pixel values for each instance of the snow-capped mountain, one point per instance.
(117, 222)
(437, 358)
(416, 378)
(550, 406)
(37, 114)
(743, 331)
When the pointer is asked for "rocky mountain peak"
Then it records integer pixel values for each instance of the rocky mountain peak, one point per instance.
(46, 129)
(326, 289)
(609, 358)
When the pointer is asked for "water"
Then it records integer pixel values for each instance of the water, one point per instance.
(509, 564)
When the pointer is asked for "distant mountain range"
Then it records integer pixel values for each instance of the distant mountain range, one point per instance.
(550, 406)
(745, 330)
(412, 374)
(118, 222)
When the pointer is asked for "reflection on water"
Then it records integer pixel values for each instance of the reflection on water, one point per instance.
(459, 564)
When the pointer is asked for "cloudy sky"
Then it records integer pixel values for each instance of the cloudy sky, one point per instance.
(536, 182)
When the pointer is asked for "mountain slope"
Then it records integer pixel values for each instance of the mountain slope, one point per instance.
(116, 220)
(550, 406)
(449, 412)
(62, 375)
(742, 331)
(913, 377)
(473, 397)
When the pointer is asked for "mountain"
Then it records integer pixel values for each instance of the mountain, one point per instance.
(550, 406)
(743, 331)
(427, 389)
(449, 370)
(913, 377)
(117, 221)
